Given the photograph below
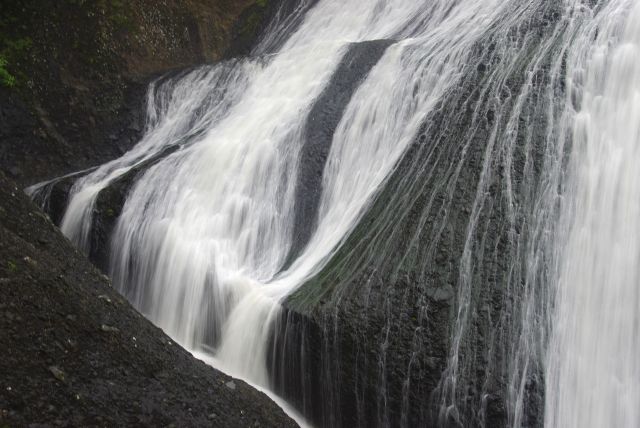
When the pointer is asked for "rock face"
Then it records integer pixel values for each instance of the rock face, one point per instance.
(82, 67)
(418, 319)
(323, 121)
(75, 353)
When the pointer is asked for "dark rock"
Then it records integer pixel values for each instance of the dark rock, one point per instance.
(368, 340)
(108, 372)
(78, 99)
(109, 329)
(57, 373)
(321, 125)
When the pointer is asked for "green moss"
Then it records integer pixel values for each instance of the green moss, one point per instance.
(6, 78)
(12, 51)
(252, 22)
(118, 14)
(12, 266)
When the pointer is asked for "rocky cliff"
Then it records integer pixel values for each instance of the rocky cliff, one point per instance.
(75, 72)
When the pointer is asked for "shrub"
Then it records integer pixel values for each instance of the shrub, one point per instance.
(6, 78)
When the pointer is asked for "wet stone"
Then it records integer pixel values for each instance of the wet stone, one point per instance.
(57, 373)
(109, 329)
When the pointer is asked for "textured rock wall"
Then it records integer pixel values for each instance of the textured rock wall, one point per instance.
(81, 69)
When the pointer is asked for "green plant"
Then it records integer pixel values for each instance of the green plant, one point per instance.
(12, 50)
(17, 46)
(12, 266)
(6, 78)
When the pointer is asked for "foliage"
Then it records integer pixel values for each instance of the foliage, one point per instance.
(11, 51)
(6, 78)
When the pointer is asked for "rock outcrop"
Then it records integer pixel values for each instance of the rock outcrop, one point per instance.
(75, 353)
(81, 68)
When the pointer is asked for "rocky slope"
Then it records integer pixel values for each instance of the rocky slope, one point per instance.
(73, 74)
(75, 353)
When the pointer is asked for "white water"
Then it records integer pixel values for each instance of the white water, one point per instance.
(593, 371)
(208, 228)
(203, 236)
(198, 101)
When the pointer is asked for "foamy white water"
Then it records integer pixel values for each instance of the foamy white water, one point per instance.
(593, 371)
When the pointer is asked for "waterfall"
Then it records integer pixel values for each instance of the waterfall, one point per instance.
(203, 236)
(441, 190)
(593, 372)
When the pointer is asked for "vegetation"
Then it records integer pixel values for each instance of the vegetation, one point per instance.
(6, 78)
(22, 22)
(252, 22)
(12, 51)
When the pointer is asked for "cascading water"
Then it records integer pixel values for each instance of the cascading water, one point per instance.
(394, 174)
(593, 372)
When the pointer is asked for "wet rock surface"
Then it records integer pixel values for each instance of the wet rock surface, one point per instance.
(75, 353)
(321, 125)
(427, 286)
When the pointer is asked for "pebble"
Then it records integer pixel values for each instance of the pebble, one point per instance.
(109, 329)
(231, 385)
(57, 373)
(30, 261)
